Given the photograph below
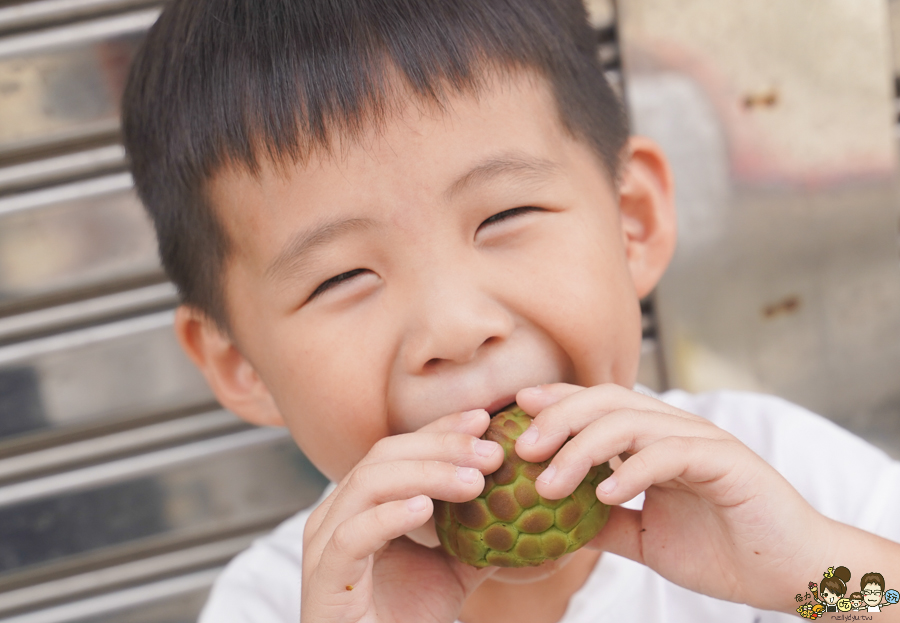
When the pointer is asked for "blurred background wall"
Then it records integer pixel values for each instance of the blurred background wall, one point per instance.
(124, 488)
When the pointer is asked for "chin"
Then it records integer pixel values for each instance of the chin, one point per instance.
(525, 575)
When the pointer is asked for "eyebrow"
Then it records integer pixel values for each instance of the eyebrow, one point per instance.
(525, 167)
(296, 252)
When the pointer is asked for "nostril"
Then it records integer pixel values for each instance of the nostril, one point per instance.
(490, 340)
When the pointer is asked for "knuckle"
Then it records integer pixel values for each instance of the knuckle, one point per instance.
(608, 390)
(624, 416)
(380, 448)
(731, 446)
(382, 517)
(457, 443)
(575, 466)
(315, 519)
(342, 539)
(639, 462)
(676, 446)
(609, 395)
(309, 533)
(548, 420)
(359, 480)
(428, 470)
(571, 451)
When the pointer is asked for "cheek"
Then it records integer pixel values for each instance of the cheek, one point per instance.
(326, 385)
(587, 298)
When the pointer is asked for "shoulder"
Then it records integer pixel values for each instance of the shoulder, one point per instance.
(262, 584)
(836, 471)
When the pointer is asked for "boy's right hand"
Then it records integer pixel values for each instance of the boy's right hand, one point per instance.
(357, 564)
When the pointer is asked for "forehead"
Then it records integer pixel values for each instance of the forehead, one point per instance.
(415, 155)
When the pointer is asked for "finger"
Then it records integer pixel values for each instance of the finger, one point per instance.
(345, 557)
(533, 400)
(453, 447)
(704, 463)
(372, 485)
(621, 432)
(621, 535)
(570, 414)
(441, 441)
(473, 422)
(607, 396)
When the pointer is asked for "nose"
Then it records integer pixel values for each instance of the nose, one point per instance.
(452, 320)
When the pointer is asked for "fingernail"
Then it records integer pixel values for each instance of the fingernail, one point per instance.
(473, 414)
(485, 448)
(530, 436)
(417, 503)
(467, 474)
(547, 475)
(608, 485)
(533, 391)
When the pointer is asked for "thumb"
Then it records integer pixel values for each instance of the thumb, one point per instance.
(622, 534)
(533, 400)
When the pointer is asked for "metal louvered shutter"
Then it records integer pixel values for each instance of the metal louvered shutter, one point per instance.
(124, 489)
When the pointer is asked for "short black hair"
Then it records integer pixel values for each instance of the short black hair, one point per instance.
(232, 82)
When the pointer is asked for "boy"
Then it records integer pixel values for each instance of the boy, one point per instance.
(872, 587)
(390, 219)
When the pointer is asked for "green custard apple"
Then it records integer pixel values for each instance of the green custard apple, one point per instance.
(509, 524)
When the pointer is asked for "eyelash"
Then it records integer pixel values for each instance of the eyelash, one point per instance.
(502, 216)
(327, 285)
(496, 218)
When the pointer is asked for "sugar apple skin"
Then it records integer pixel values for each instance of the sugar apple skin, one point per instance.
(509, 524)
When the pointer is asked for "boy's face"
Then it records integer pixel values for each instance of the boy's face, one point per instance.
(872, 594)
(477, 251)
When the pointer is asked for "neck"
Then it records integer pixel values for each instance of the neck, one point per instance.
(540, 595)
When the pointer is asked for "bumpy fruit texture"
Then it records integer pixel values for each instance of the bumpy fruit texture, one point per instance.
(509, 524)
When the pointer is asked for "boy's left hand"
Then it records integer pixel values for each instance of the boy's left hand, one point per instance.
(717, 519)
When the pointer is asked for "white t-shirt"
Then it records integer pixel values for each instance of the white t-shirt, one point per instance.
(262, 585)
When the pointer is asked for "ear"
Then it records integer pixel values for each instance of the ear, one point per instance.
(647, 212)
(230, 375)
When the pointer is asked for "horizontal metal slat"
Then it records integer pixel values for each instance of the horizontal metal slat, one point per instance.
(114, 445)
(140, 504)
(64, 84)
(33, 14)
(114, 372)
(61, 168)
(133, 467)
(74, 240)
(117, 577)
(93, 310)
(175, 600)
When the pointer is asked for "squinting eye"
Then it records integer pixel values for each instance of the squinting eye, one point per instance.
(327, 285)
(502, 216)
